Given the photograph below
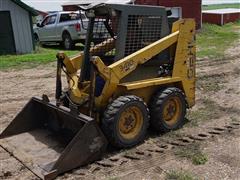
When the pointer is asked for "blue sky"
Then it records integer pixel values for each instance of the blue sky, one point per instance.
(54, 5)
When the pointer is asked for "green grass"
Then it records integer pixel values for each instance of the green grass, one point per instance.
(40, 56)
(210, 111)
(192, 152)
(113, 178)
(179, 175)
(199, 159)
(213, 40)
(221, 6)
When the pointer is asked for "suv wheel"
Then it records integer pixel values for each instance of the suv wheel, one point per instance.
(67, 42)
(36, 39)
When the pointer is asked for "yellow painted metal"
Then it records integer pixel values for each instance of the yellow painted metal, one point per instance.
(104, 70)
(185, 59)
(73, 65)
(172, 110)
(150, 82)
(144, 93)
(181, 43)
(76, 61)
(130, 122)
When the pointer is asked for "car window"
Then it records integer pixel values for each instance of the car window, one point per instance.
(52, 20)
(46, 20)
(71, 17)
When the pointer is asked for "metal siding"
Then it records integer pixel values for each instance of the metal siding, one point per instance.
(212, 18)
(21, 26)
(220, 19)
(231, 17)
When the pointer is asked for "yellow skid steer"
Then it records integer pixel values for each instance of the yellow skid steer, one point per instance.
(140, 76)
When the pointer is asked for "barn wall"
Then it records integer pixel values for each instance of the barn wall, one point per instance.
(21, 26)
(212, 18)
(231, 17)
(220, 19)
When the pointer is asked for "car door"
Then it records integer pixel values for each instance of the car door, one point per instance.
(48, 30)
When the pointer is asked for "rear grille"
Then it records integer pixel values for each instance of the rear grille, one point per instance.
(142, 31)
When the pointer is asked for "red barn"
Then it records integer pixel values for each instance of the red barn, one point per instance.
(190, 9)
(221, 16)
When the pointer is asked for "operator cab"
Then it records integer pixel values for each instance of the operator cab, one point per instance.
(108, 22)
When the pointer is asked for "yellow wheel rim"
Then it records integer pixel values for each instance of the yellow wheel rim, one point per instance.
(172, 111)
(130, 122)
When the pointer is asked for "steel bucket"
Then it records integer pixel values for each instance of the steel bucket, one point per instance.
(50, 140)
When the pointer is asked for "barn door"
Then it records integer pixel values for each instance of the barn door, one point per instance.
(7, 43)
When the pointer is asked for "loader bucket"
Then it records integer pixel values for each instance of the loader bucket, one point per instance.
(50, 140)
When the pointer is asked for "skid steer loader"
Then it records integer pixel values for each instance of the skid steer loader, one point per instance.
(142, 74)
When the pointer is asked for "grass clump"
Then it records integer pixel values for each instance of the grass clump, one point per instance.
(199, 159)
(209, 111)
(179, 175)
(192, 152)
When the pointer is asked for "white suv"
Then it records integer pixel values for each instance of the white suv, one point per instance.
(66, 28)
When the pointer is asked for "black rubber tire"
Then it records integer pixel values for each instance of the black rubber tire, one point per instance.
(36, 39)
(111, 116)
(156, 109)
(67, 43)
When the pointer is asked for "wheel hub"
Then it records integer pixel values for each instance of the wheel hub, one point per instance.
(172, 111)
(130, 122)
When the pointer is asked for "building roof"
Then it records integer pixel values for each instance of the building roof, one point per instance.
(87, 2)
(42, 13)
(81, 2)
(26, 7)
(222, 11)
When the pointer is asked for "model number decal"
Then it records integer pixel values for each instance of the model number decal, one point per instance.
(127, 66)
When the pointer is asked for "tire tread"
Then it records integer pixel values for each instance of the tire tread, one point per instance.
(109, 118)
(158, 99)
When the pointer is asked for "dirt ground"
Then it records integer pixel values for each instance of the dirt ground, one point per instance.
(213, 124)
